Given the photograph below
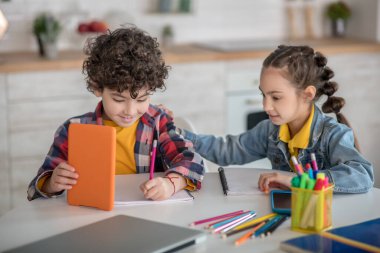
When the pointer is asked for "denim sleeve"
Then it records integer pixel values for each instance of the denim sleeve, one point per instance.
(233, 149)
(349, 171)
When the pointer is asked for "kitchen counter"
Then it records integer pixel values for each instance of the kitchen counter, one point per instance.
(30, 61)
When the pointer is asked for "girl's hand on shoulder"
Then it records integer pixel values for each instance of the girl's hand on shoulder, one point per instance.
(159, 188)
(63, 178)
(166, 110)
(274, 180)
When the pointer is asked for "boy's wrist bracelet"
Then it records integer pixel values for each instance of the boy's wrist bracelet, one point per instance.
(171, 181)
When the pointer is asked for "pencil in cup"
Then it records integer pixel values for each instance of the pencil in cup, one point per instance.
(315, 214)
(298, 200)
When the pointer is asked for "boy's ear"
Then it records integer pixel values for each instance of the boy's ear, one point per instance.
(98, 93)
(309, 92)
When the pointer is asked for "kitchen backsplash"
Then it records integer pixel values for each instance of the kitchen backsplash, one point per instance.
(207, 20)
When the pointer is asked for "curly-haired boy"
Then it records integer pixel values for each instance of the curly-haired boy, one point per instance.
(124, 68)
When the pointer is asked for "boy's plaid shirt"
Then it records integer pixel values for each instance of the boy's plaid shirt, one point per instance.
(174, 152)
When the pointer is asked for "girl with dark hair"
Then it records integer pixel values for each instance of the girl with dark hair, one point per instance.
(292, 79)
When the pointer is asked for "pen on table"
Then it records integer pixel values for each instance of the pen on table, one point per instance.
(152, 159)
(276, 225)
(248, 235)
(223, 180)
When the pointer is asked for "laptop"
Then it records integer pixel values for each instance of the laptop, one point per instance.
(91, 151)
(119, 233)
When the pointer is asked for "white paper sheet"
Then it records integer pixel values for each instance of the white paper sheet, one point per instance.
(128, 193)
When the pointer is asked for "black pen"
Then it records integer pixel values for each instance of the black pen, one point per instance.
(223, 180)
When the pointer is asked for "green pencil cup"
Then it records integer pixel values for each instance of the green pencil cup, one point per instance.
(311, 210)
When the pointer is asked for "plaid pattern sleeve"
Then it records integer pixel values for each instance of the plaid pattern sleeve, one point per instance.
(179, 153)
(58, 153)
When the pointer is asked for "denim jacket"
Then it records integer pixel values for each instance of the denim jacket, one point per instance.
(332, 143)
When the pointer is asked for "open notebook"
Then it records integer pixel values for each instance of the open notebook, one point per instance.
(120, 233)
(241, 181)
(128, 193)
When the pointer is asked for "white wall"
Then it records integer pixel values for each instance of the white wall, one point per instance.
(209, 19)
(364, 22)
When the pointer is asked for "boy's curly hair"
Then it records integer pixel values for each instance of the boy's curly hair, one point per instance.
(124, 59)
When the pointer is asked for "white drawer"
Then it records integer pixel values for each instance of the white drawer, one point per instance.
(46, 85)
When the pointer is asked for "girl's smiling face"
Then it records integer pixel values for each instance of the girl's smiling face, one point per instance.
(121, 108)
(282, 101)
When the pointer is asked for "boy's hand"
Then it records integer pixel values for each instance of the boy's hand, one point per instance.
(274, 180)
(161, 188)
(63, 178)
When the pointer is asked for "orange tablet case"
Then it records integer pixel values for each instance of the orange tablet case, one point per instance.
(91, 151)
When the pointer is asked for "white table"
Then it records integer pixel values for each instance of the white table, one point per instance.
(42, 218)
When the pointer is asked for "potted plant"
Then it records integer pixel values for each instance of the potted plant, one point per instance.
(338, 13)
(46, 28)
(167, 36)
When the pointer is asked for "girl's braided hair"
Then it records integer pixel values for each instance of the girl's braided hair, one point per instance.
(306, 67)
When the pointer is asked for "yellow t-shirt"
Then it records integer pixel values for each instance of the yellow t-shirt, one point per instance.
(301, 139)
(125, 145)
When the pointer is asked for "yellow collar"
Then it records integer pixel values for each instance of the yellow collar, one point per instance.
(301, 139)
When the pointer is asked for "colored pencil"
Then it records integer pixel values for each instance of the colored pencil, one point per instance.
(219, 224)
(220, 228)
(239, 222)
(235, 231)
(255, 221)
(266, 226)
(208, 226)
(216, 218)
(248, 235)
(276, 225)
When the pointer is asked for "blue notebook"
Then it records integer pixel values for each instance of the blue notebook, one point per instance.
(361, 237)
